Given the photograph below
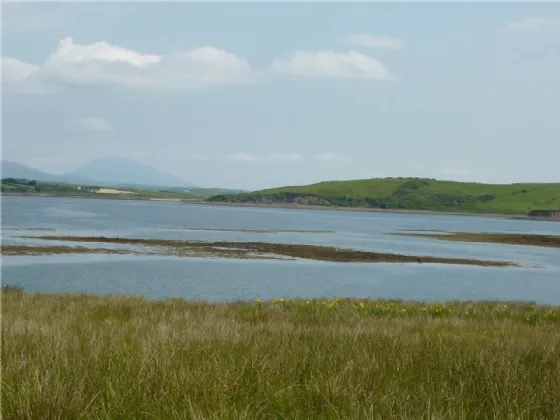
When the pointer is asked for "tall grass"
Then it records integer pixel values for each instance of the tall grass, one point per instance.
(114, 357)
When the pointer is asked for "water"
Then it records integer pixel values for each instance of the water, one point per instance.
(227, 279)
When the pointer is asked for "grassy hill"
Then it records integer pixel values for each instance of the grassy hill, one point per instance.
(412, 194)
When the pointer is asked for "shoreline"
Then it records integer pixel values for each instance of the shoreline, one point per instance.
(290, 206)
(529, 304)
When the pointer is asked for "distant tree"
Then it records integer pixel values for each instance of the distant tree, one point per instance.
(32, 183)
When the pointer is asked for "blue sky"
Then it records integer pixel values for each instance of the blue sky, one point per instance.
(260, 95)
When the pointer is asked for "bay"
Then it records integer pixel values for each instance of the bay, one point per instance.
(215, 279)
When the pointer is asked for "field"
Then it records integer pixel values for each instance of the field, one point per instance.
(27, 187)
(413, 194)
(107, 357)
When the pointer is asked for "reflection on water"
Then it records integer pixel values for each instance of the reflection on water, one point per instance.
(215, 279)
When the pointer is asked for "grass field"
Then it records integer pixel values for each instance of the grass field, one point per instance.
(414, 194)
(23, 187)
(114, 357)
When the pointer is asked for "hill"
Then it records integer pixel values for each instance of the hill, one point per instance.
(412, 194)
(17, 170)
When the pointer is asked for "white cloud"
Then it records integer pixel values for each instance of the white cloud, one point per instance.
(93, 124)
(243, 157)
(68, 52)
(373, 41)
(533, 25)
(284, 157)
(350, 65)
(330, 157)
(14, 71)
(22, 77)
(103, 64)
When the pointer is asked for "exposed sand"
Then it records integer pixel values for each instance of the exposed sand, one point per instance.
(113, 191)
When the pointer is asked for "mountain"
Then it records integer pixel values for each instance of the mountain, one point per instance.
(106, 171)
(118, 170)
(17, 170)
(412, 194)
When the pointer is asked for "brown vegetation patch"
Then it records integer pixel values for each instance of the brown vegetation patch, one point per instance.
(260, 230)
(500, 238)
(12, 250)
(254, 249)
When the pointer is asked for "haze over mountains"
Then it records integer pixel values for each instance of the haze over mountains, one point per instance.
(108, 170)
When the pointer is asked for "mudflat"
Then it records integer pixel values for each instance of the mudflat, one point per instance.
(249, 250)
(500, 238)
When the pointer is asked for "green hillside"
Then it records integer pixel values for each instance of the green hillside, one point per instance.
(412, 194)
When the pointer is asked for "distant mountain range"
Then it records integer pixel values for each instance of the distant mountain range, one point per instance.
(109, 170)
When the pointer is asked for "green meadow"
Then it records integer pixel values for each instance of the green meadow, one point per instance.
(77, 356)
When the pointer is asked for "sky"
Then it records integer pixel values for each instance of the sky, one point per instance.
(258, 95)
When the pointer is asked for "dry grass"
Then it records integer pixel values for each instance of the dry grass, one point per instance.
(114, 357)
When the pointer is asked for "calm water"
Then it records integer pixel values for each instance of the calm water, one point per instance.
(226, 279)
